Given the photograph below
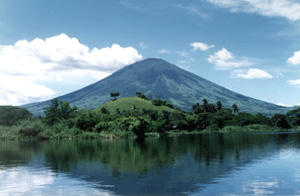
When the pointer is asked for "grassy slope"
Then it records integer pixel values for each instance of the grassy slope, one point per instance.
(127, 103)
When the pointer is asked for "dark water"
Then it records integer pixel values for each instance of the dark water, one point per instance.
(215, 164)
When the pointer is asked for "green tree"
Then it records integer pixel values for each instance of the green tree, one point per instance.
(235, 109)
(280, 121)
(52, 112)
(114, 95)
(58, 111)
(205, 105)
(196, 108)
(156, 102)
(140, 95)
(104, 110)
(219, 106)
(87, 120)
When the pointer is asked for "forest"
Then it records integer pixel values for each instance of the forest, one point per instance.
(137, 117)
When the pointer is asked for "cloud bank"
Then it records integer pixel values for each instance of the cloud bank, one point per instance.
(28, 68)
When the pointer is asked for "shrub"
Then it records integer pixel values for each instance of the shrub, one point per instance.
(31, 128)
(140, 95)
(87, 120)
(10, 115)
(101, 126)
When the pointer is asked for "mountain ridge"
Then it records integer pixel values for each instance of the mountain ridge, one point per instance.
(157, 78)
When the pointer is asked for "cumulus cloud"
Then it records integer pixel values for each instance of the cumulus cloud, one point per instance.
(27, 66)
(224, 59)
(288, 9)
(294, 82)
(252, 73)
(295, 59)
(201, 46)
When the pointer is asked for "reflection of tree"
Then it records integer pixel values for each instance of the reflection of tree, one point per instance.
(14, 153)
(125, 155)
(169, 165)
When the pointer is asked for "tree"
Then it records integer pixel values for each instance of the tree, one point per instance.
(156, 102)
(104, 110)
(87, 120)
(52, 112)
(205, 105)
(140, 95)
(235, 109)
(219, 106)
(59, 111)
(205, 102)
(196, 108)
(114, 95)
(280, 121)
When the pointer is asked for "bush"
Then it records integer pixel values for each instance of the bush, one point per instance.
(87, 120)
(280, 121)
(10, 115)
(31, 128)
(158, 125)
(140, 95)
(159, 102)
(101, 126)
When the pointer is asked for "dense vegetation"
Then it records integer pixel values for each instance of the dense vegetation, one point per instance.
(136, 117)
(10, 115)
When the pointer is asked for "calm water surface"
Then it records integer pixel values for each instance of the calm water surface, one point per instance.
(212, 164)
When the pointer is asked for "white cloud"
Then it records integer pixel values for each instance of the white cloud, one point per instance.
(289, 9)
(224, 59)
(164, 51)
(252, 73)
(201, 46)
(29, 181)
(294, 82)
(295, 59)
(284, 105)
(28, 67)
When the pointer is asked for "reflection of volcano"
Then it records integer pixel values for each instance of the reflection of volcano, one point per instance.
(156, 166)
(180, 165)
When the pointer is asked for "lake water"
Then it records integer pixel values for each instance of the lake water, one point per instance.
(209, 164)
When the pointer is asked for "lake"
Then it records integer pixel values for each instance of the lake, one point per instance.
(207, 164)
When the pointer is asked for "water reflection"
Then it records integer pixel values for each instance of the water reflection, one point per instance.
(213, 164)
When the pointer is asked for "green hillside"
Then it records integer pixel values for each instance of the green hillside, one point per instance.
(10, 115)
(157, 78)
(131, 104)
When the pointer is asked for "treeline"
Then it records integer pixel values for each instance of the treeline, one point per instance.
(63, 120)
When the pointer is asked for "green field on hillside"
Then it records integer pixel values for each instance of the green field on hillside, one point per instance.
(131, 104)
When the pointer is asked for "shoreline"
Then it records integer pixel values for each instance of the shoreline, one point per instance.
(10, 134)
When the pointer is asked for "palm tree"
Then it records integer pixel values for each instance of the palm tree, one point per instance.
(235, 109)
(196, 108)
(205, 105)
(219, 106)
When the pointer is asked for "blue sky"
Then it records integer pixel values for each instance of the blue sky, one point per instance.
(49, 48)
